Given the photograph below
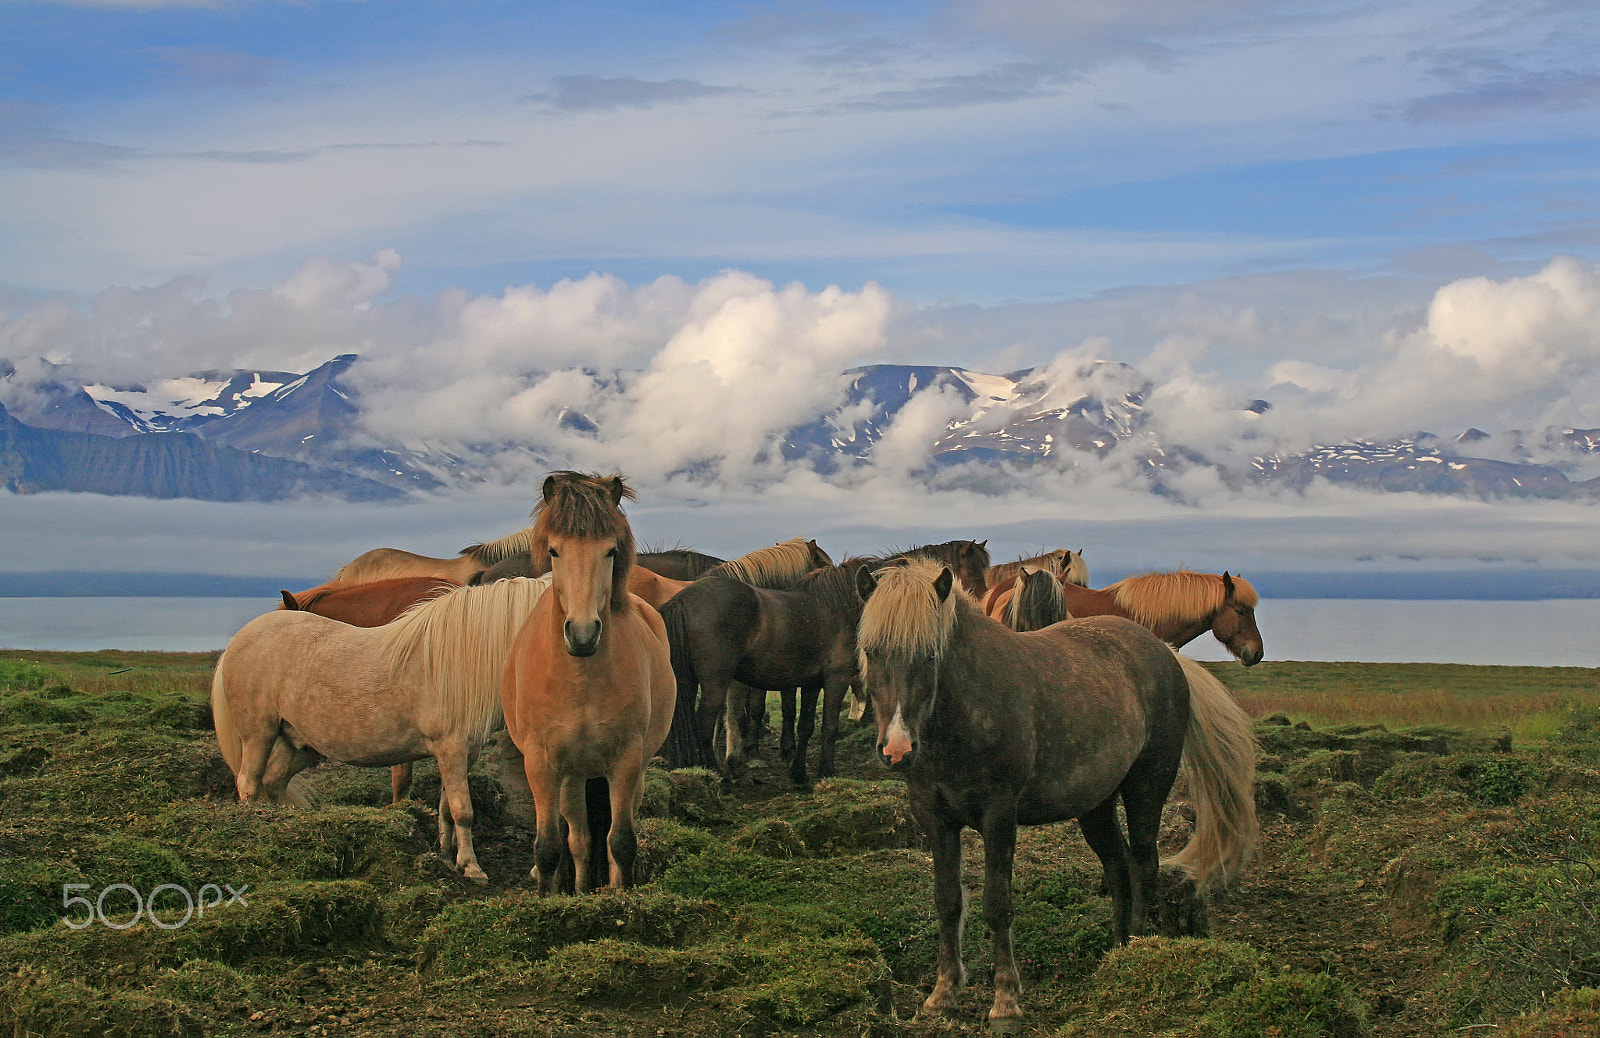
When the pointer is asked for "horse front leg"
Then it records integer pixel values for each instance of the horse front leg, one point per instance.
(950, 906)
(999, 856)
(545, 788)
(786, 737)
(627, 793)
(455, 795)
(575, 810)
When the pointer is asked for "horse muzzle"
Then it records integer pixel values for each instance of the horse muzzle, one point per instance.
(1250, 657)
(902, 762)
(583, 639)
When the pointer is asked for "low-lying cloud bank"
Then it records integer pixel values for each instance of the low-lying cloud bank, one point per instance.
(690, 388)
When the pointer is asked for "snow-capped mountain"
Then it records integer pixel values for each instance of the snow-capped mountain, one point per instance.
(999, 427)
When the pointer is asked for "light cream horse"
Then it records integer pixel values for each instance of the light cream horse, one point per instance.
(388, 563)
(293, 688)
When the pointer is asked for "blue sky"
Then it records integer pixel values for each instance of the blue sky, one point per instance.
(984, 150)
(1382, 215)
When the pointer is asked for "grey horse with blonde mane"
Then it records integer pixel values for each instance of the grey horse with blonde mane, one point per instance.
(993, 729)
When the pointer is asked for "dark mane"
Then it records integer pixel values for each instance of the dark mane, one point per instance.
(835, 587)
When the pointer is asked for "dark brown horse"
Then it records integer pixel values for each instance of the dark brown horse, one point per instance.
(727, 637)
(678, 563)
(993, 729)
(372, 605)
(1037, 602)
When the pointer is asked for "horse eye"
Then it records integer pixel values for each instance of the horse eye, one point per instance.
(611, 554)
(554, 554)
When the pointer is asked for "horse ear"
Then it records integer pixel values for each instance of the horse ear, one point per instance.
(549, 487)
(288, 601)
(866, 583)
(1227, 585)
(943, 583)
(619, 490)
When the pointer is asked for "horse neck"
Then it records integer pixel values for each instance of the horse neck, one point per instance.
(1180, 631)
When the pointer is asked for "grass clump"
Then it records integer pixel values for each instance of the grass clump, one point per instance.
(1217, 989)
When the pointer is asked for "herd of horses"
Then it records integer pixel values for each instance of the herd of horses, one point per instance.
(1004, 695)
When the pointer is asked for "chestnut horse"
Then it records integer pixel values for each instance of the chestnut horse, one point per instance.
(587, 687)
(993, 729)
(293, 688)
(371, 605)
(1179, 606)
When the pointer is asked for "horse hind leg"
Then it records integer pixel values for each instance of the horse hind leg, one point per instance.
(1105, 838)
(805, 724)
(832, 703)
(455, 797)
(735, 757)
(400, 783)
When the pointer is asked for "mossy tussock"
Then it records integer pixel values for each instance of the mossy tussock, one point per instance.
(1159, 987)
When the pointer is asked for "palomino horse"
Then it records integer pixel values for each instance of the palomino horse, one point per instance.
(588, 683)
(384, 563)
(293, 688)
(727, 637)
(1069, 564)
(1179, 606)
(994, 729)
(371, 605)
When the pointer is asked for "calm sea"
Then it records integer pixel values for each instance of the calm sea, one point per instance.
(1547, 632)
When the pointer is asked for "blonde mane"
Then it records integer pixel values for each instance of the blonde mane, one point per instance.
(779, 566)
(457, 644)
(491, 552)
(1077, 571)
(1155, 598)
(904, 616)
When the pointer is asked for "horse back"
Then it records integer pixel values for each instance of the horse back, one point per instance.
(1081, 704)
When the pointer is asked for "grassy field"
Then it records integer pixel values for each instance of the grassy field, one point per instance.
(1431, 841)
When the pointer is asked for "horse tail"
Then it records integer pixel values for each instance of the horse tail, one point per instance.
(684, 747)
(228, 739)
(1219, 758)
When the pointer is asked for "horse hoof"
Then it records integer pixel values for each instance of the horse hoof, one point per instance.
(1006, 1025)
(477, 876)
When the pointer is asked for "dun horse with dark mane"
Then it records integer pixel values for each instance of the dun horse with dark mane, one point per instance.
(993, 729)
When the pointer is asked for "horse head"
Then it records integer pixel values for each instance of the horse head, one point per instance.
(905, 621)
(579, 527)
(1234, 624)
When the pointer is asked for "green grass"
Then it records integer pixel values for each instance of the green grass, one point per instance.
(1532, 703)
(1400, 818)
